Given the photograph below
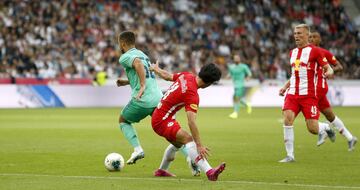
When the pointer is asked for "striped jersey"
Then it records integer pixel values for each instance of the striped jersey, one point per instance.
(322, 86)
(182, 93)
(304, 64)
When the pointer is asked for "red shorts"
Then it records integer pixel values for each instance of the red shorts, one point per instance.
(323, 102)
(307, 105)
(167, 128)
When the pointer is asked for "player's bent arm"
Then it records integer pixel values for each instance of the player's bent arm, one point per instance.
(328, 71)
(161, 72)
(287, 84)
(122, 82)
(338, 66)
(284, 88)
(140, 71)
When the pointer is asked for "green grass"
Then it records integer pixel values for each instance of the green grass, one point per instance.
(65, 149)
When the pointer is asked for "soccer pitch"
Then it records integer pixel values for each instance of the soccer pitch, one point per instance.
(65, 149)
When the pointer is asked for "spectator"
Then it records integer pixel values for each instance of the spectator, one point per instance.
(68, 38)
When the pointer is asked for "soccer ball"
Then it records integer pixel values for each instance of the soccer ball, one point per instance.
(114, 162)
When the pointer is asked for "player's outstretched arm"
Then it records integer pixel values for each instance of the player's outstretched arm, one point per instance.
(202, 150)
(161, 72)
(140, 71)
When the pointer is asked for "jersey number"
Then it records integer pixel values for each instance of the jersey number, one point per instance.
(171, 89)
(313, 110)
(149, 74)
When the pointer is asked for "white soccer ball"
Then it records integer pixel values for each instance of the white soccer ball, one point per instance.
(114, 162)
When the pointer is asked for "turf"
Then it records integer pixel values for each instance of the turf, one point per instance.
(65, 149)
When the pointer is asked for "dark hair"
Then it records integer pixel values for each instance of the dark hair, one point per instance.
(128, 37)
(210, 73)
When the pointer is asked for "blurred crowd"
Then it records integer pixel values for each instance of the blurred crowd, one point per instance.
(77, 38)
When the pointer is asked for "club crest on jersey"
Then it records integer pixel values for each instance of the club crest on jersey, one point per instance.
(170, 124)
(324, 59)
(297, 64)
(194, 106)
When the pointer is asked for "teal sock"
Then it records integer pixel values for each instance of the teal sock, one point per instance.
(130, 134)
(236, 107)
(183, 150)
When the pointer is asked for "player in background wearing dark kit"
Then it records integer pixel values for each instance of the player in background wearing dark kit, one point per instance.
(322, 89)
(183, 93)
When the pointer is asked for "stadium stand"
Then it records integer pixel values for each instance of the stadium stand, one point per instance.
(71, 39)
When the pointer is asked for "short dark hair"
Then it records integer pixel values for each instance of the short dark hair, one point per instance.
(210, 73)
(128, 37)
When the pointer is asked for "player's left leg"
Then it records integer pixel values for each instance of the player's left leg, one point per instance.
(290, 110)
(195, 170)
(339, 125)
(321, 129)
(246, 104)
(133, 113)
(311, 113)
(243, 101)
(323, 104)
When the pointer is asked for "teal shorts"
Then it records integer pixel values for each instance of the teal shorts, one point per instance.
(134, 113)
(239, 92)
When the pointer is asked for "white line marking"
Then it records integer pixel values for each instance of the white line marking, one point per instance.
(184, 180)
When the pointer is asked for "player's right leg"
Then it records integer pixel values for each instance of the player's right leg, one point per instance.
(168, 157)
(290, 110)
(168, 129)
(183, 137)
(236, 105)
(289, 117)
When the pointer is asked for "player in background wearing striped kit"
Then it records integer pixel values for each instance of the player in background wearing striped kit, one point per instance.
(301, 96)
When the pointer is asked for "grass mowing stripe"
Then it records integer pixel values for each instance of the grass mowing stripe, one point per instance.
(187, 180)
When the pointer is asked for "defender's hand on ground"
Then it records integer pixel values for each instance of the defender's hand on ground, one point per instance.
(203, 151)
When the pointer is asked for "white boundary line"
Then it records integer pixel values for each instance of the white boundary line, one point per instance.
(184, 180)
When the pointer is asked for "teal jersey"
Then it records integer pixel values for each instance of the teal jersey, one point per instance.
(238, 74)
(152, 94)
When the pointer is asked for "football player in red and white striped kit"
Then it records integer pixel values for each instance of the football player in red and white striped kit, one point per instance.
(301, 95)
(183, 93)
(322, 89)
